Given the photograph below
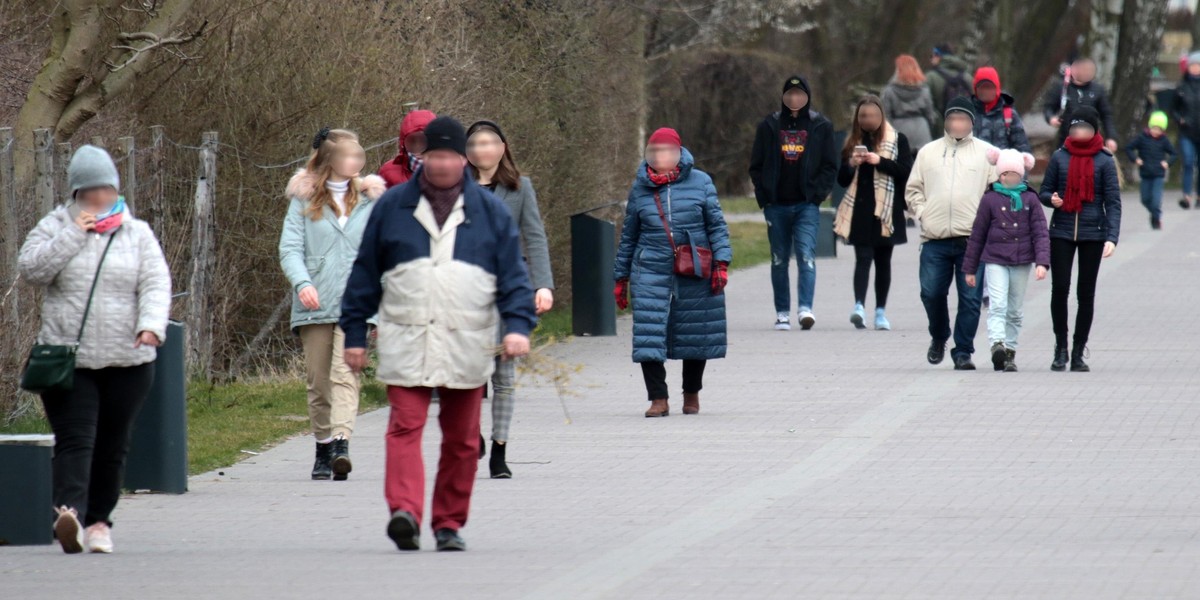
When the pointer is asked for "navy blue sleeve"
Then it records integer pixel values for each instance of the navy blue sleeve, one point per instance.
(364, 290)
(1050, 180)
(514, 291)
(1112, 201)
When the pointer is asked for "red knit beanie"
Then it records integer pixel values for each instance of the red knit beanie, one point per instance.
(665, 135)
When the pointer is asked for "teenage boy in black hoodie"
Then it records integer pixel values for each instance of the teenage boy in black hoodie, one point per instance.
(1082, 90)
(793, 167)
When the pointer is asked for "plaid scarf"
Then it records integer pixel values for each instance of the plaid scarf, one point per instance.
(885, 190)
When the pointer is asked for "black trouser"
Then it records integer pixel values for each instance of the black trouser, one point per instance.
(863, 257)
(1062, 259)
(655, 374)
(92, 426)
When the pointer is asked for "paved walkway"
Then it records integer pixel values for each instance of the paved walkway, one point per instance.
(826, 464)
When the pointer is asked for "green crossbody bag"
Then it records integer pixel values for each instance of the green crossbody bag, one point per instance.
(51, 368)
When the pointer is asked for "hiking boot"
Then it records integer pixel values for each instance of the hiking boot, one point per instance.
(658, 408)
(322, 469)
(340, 458)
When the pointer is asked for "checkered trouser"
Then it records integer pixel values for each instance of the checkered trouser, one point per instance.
(503, 399)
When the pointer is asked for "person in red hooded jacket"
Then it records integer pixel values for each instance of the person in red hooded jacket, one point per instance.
(412, 145)
(997, 121)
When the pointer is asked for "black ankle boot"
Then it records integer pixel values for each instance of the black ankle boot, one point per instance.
(1010, 360)
(1060, 359)
(321, 468)
(482, 447)
(497, 465)
(1077, 363)
(339, 459)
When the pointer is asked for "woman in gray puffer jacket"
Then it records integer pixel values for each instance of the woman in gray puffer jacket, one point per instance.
(95, 237)
(908, 104)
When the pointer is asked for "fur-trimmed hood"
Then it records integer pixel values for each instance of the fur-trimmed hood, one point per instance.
(304, 184)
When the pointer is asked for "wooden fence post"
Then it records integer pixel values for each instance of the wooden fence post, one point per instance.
(199, 330)
(43, 163)
(62, 160)
(157, 188)
(128, 170)
(12, 227)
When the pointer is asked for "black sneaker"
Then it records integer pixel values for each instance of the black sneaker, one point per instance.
(1184, 203)
(937, 352)
(322, 469)
(448, 540)
(404, 531)
(1155, 223)
(340, 459)
(963, 363)
(998, 356)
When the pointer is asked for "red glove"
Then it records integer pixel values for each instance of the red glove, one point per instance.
(720, 277)
(621, 293)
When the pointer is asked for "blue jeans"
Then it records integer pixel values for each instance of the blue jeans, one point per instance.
(793, 229)
(1006, 287)
(1152, 192)
(1188, 149)
(941, 263)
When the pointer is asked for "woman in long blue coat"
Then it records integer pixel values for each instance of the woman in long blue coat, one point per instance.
(677, 317)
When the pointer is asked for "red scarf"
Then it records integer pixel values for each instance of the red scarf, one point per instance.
(1081, 172)
(662, 178)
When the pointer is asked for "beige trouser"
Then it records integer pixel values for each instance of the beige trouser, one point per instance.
(332, 387)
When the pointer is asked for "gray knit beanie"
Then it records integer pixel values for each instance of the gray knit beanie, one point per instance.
(91, 167)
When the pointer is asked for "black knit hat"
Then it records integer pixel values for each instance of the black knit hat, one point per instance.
(486, 126)
(796, 81)
(1086, 115)
(445, 133)
(961, 104)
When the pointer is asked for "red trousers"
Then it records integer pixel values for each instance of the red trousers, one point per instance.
(404, 483)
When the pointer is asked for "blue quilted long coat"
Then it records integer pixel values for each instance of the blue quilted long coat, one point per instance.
(674, 317)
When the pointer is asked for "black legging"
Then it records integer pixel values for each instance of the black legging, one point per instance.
(655, 374)
(863, 257)
(1062, 259)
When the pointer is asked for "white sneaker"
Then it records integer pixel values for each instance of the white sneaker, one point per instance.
(783, 322)
(807, 320)
(68, 530)
(99, 539)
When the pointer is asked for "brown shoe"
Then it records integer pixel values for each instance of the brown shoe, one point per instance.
(691, 404)
(658, 408)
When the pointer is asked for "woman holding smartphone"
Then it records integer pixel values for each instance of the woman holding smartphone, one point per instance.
(876, 161)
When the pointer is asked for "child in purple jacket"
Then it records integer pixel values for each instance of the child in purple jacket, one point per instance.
(1010, 237)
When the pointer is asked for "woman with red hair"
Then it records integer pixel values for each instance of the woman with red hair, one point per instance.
(908, 105)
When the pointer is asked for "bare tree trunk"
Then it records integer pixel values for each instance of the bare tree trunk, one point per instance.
(1138, 45)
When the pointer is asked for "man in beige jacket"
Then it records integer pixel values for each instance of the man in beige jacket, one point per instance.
(949, 177)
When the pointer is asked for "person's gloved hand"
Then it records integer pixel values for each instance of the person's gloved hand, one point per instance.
(720, 277)
(621, 293)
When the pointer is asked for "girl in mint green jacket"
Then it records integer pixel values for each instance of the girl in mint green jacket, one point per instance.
(329, 208)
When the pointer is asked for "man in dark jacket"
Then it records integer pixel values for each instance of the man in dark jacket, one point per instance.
(1185, 109)
(1082, 90)
(949, 76)
(997, 121)
(793, 166)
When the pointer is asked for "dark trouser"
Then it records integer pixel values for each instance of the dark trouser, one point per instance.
(655, 374)
(863, 257)
(92, 425)
(1152, 193)
(941, 263)
(1062, 259)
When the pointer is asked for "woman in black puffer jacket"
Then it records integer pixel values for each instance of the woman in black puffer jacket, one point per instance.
(1081, 185)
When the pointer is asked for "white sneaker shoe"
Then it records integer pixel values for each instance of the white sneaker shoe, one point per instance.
(783, 322)
(99, 539)
(807, 320)
(68, 531)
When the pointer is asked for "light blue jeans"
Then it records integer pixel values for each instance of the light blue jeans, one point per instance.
(1006, 296)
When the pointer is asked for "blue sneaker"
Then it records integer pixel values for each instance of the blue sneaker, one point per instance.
(858, 317)
(881, 322)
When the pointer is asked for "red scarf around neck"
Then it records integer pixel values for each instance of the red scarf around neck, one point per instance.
(1081, 172)
(662, 178)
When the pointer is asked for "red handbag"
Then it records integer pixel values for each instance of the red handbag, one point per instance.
(690, 260)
